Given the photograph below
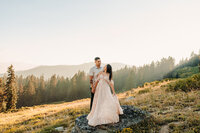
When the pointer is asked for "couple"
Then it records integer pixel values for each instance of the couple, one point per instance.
(104, 106)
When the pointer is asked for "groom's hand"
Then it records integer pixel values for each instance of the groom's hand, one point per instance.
(93, 90)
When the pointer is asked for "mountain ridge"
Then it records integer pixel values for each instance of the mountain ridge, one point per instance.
(62, 70)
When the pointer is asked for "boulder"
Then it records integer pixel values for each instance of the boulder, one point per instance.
(133, 118)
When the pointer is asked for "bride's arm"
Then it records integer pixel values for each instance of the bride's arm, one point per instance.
(111, 85)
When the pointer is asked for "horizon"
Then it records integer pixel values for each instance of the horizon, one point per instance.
(34, 66)
(36, 33)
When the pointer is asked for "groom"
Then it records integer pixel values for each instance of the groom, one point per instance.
(93, 75)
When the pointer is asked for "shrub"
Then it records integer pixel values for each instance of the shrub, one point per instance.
(187, 84)
(144, 91)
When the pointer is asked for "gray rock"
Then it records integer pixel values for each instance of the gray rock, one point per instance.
(132, 117)
(59, 128)
(129, 98)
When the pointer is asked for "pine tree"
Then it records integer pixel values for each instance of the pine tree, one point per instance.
(52, 89)
(42, 89)
(199, 62)
(11, 89)
(1, 95)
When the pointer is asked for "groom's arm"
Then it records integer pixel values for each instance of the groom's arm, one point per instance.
(91, 77)
(91, 81)
(96, 84)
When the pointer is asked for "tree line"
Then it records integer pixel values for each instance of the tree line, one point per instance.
(132, 77)
(186, 67)
(17, 91)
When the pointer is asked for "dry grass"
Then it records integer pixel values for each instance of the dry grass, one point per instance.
(43, 118)
(30, 118)
(179, 110)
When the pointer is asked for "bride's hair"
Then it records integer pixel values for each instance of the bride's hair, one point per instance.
(109, 70)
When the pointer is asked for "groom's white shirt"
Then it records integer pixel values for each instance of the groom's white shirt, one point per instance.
(94, 71)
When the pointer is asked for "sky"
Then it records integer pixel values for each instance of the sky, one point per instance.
(70, 32)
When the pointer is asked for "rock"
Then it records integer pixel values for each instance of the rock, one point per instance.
(59, 128)
(164, 129)
(129, 98)
(132, 117)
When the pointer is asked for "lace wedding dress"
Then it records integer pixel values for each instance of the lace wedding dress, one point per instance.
(106, 107)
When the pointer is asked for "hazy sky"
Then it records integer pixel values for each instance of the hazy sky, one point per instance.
(134, 32)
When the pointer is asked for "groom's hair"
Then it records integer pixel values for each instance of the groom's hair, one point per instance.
(96, 58)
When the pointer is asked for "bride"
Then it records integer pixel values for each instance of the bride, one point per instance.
(106, 107)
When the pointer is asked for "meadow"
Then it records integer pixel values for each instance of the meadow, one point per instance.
(174, 110)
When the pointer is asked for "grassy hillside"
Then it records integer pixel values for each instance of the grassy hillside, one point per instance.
(185, 68)
(174, 110)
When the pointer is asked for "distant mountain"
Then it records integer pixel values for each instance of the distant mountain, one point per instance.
(63, 70)
(18, 66)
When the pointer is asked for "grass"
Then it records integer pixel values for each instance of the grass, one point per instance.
(43, 118)
(186, 84)
(179, 110)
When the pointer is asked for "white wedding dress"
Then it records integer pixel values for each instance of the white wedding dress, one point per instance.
(106, 107)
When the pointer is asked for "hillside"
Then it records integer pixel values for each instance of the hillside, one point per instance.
(62, 70)
(174, 111)
(185, 68)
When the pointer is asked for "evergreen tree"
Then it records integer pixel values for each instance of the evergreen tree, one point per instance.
(177, 75)
(42, 88)
(1, 95)
(130, 81)
(20, 91)
(199, 61)
(11, 89)
(52, 88)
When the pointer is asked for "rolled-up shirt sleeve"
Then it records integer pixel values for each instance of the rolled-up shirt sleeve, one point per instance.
(91, 72)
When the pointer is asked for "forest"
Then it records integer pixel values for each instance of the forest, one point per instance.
(18, 91)
(186, 67)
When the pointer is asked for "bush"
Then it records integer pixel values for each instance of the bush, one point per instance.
(187, 84)
(144, 91)
(146, 83)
